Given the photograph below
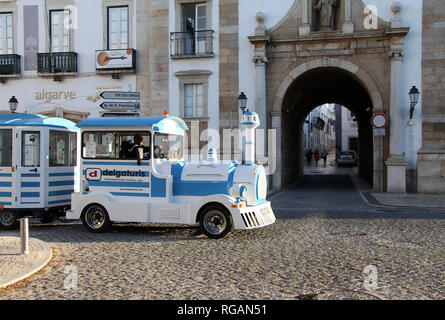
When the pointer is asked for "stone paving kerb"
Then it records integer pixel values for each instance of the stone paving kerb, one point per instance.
(15, 266)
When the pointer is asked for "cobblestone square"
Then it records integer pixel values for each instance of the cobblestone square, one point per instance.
(320, 251)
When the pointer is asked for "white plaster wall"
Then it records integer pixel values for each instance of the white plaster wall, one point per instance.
(349, 128)
(411, 16)
(209, 64)
(274, 11)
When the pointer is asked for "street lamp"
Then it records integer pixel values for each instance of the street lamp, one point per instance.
(242, 102)
(414, 98)
(13, 104)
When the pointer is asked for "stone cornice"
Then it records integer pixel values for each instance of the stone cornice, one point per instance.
(338, 36)
(263, 39)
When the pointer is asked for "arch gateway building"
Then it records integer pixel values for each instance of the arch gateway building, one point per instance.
(194, 58)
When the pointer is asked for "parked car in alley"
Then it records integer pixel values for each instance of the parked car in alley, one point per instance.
(347, 158)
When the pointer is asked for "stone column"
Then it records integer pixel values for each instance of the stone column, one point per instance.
(275, 157)
(396, 163)
(305, 28)
(260, 60)
(348, 25)
(260, 89)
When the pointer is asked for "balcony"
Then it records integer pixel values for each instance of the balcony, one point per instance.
(9, 66)
(192, 44)
(52, 64)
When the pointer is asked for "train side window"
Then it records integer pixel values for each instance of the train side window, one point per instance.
(126, 143)
(58, 148)
(5, 147)
(30, 149)
(98, 145)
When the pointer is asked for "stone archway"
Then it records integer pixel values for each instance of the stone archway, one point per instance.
(365, 100)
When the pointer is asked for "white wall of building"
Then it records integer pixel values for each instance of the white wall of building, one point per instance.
(206, 64)
(349, 128)
(273, 11)
(411, 16)
(73, 93)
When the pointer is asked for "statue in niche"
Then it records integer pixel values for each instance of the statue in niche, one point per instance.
(326, 9)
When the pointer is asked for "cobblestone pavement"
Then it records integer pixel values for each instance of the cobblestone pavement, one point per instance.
(11, 259)
(313, 248)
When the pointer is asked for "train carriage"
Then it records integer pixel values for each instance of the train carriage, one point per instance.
(38, 166)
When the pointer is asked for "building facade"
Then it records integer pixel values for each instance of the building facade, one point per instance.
(194, 57)
(319, 129)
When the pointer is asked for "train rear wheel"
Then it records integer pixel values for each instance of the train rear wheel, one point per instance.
(8, 220)
(95, 218)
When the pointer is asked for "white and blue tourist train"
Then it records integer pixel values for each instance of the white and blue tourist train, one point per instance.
(38, 166)
(130, 170)
(126, 180)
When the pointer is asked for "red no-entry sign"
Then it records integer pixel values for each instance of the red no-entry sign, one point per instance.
(379, 121)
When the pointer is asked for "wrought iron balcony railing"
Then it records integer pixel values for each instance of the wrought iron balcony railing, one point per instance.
(191, 44)
(56, 62)
(9, 64)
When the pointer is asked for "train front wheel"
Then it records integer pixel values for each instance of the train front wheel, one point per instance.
(215, 221)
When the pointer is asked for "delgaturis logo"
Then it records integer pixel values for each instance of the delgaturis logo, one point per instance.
(93, 174)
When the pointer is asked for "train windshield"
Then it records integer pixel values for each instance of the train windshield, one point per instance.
(168, 146)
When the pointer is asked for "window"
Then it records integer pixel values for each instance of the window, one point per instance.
(194, 102)
(117, 27)
(194, 24)
(5, 147)
(6, 34)
(30, 149)
(167, 146)
(113, 144)
(62, 148)
(60, 31)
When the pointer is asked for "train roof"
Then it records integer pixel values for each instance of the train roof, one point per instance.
(161, 124)
(34, 120)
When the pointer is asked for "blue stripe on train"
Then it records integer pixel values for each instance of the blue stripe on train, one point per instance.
(30, 175)
(60, 193)
(59, 201)
(115, 163)
(30, 194)
(93, 183)
(129, 194)
(61, 183)
(26, 184)
(62, 174)
(5, 184)
(5, 194)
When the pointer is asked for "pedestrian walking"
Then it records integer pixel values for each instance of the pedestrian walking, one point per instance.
(324, 156)
(309, 157)
(316, 156)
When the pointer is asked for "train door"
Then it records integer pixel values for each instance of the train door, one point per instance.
(30, 168)
(62, 161)
(6, 169)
